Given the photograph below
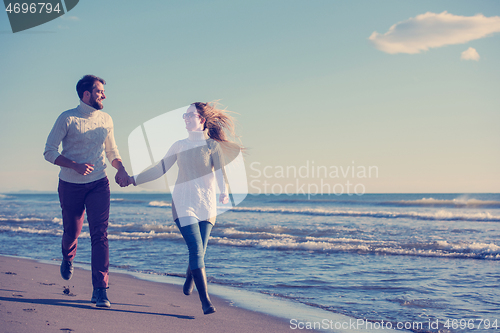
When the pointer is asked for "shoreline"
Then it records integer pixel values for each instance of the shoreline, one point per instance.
(32, 298)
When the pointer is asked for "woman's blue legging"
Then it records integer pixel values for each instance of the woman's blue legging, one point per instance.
(196, 235)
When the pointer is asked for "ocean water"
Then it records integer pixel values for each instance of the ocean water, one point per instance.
(399, 258)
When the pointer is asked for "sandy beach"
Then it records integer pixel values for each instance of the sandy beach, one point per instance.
(34, 298)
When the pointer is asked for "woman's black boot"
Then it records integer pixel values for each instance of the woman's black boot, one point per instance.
(200, 279)
(189, 284)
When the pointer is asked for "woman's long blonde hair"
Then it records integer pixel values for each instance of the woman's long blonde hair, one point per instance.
(221, 128)
(218, 122)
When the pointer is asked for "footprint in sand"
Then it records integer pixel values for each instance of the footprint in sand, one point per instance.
(67, 291)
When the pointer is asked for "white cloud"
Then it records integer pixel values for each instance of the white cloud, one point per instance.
(70, 18)
(470, 54)
(430, 30)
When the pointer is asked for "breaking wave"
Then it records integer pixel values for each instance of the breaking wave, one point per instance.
(440, 215)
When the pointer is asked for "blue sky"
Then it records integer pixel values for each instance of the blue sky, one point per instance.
(312, 83)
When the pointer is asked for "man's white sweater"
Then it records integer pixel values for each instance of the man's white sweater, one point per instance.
(87, 136)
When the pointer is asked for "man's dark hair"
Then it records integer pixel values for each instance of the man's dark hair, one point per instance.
(87, 83)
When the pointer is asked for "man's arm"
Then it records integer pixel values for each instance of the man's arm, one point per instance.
(121, 177)
(83, 169)
(113, 155)
(51, 152)
(54, 139)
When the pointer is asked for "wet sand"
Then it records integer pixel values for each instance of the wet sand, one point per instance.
(34, 298)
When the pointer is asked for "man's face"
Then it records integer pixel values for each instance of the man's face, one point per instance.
(97, 96)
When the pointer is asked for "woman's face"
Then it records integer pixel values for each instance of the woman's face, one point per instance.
(194, 122)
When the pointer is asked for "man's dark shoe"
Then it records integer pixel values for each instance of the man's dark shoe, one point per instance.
(100, 298)
(66, 269)
(94, 296)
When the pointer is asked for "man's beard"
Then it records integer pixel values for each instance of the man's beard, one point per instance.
(95, 104)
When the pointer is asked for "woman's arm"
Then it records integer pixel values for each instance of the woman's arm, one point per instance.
(158, 170)
(220, 173)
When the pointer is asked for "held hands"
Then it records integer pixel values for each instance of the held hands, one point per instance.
(123, 179)
(126, 181)
(131, 181)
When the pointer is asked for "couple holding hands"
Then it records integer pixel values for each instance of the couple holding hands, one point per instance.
(86, 134)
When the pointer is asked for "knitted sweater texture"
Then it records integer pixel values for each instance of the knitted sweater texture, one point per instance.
(87, 137)
(201, 165)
